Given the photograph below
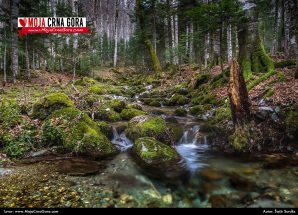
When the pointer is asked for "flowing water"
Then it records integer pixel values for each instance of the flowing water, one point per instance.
(211, 179)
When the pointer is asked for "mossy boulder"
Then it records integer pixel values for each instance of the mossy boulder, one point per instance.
(199, 109)
(74, 131)
(10, 113)
(107, 114)
(147, 126)
(182, 88)
(201, 79)
(135, 106)
(85, 82)
(96, 89)
(181, 112)
(105, 128)
(129, 113)
(116, 104)
(152, 102)
(204, 99)
(152, 152)
(177, 99)
(50, 103)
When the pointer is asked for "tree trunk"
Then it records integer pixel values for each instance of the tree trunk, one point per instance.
(191, 44)
(252, 55)
(4, 60)
(295, 4)
(274, 47)
(141, 18)
(116, 34)
(27, 59)
(287, 42)
(207, 49)
(14, 38)
(230, 44)
(240, 104)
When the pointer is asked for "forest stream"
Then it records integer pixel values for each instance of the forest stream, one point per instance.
(207, 179)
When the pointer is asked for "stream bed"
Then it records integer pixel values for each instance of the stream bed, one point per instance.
(210, 180)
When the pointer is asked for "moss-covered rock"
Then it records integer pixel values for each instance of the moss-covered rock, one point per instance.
(105, 128)
(96, 89)
(107, 114)
(10, 113)
(129, 113)
(50, 103)
(182, 89)
(202, 79)
(73, 131)
(116, 104)
(135, 106)
(200, 109)
(85, 82)
(177, 99)
(152, 152)
(181, 112)
(203, 99)
(147, 126)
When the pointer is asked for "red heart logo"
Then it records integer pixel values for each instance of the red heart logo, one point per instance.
(23, 22)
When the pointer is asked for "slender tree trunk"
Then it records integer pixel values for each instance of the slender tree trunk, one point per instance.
(27, 59)
(274, 47)
(141, 18)
(230, 42)
(295, 4)
(238, 94)
(167, 39)
(207, 49)
(33, 61)
(14, 38)
(116, 34)
(287, 42)
(191, 44)
(4, 60)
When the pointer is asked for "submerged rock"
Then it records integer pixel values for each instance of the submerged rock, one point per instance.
(72, 130)
(160, 160)
(50, 103)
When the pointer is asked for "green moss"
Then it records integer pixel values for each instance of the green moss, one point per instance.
(116, 104)
(223, 113)
(241, 138)
(285, 63)
(269, 93)
(177, 99)
(107, 114)
(181, 112)
(72, 130)
(281, 76)
(146, 126)
(130, 113)
(201, 79)
(155, 103)
(96, 89)
(85, 82)
(291, 123)
(205, 98)
(200, 109)
(260, 79)
(105, 128)
(135, 106)
(152, 152)
(182, 88)
(220, 79)
(48, 104)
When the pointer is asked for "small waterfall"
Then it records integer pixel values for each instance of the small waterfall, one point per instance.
(191, 148)
(121, 141)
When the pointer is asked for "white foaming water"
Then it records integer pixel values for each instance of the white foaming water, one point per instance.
(191, 149)
(121, 141)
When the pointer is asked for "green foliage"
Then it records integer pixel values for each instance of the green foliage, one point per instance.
(10, 114)
(260, 79)
(177, 99)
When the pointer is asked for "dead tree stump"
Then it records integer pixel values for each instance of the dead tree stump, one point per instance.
(238, 94)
